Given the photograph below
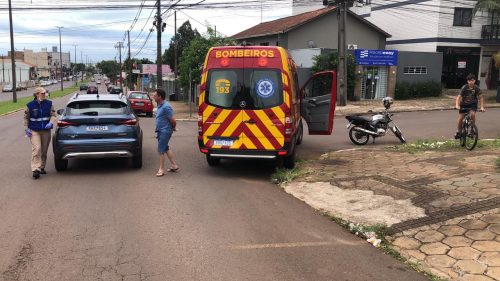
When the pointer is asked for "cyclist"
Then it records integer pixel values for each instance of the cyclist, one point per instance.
(468, 100)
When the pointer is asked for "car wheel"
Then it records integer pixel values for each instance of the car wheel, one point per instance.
(213, 161)
(289, 161)
(61, 164)
(137, 161)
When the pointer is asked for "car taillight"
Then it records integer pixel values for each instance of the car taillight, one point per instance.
(288, 126)
(62, 124)
(129, 122)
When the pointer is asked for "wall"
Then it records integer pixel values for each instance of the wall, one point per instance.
(256, 41)
(323, 31)
(22, 71)
(416, 27)
(433, 61)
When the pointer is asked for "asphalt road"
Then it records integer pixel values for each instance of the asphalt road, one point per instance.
(103, 220)
(414, 125)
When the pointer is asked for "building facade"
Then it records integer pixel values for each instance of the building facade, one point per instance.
(468, 42)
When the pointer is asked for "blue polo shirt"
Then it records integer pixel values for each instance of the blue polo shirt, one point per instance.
(163, 114)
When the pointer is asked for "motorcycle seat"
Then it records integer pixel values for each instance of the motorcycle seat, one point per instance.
(358, 120)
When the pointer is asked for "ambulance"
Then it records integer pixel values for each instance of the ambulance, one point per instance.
(251, 105)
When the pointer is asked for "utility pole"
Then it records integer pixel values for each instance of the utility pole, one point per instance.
(129, 78)
(13, 55)
(120, 69)
(60, 58)
(342, 62)
(74, 67)
(160, 26)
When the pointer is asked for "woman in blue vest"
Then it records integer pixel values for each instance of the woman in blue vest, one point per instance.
(39, 119)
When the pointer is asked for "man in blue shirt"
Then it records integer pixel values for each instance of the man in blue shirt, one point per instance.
(165, 126)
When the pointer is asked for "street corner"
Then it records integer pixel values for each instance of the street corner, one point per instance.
(441, 208)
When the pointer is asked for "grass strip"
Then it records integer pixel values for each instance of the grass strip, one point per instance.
(381, 231)
(283, 175)
(441, 145)
(9, 106)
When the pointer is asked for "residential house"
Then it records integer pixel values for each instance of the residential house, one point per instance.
(314, 32)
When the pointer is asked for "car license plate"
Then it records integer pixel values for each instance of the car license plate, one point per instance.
(139, 103)
(97, 128)
(223, 142)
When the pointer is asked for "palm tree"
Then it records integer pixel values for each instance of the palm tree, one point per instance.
(487, 5)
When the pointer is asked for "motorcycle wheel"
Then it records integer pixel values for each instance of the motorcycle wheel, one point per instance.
(399, 134)
(358, 138)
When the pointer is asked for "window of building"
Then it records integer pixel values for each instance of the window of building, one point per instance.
(264, 44)
(462, 17)
(415, 70)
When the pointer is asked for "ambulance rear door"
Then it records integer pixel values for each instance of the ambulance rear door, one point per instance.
(318, 99)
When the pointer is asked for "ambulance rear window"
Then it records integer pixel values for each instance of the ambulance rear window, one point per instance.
(251, 89)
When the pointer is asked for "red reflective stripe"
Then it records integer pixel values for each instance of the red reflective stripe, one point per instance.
(228, 121)
(244, 129)
(263, 129)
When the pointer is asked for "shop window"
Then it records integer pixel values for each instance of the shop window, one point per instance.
(415, 70)
(462, 17)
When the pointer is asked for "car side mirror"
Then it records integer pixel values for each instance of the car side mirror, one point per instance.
(60, 111)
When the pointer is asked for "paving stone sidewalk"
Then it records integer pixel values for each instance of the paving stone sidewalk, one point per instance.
(443, 207)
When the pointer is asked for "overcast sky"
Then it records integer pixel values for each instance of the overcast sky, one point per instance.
(96, 32)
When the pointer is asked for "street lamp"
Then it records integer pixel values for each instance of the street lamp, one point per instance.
(60, 58)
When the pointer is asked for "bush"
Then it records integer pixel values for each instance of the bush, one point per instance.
(406, 90)
(329, 61)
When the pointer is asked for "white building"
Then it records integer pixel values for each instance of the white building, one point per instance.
(467, 43)
(24, 71)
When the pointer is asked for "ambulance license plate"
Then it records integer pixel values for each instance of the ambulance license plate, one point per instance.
(97, 128)
(223, 142)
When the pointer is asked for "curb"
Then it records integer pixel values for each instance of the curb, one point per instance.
(412, 110)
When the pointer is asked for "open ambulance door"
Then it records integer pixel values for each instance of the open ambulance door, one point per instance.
(318, 99)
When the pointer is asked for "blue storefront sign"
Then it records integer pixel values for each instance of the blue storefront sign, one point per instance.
(376, 57)
(145, 82)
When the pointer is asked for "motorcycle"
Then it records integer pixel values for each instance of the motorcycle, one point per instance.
(362, 128)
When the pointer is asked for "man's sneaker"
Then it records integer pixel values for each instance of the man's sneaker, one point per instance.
(457, 135)
(36, 174)
(42, 172)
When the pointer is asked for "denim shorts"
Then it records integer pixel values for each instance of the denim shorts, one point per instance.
(163, 139)
(465, 107)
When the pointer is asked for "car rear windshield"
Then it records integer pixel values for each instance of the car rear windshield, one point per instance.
(138, 96)
(96, 108)
(244, 88)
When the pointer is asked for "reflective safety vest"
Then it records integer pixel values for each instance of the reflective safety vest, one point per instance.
(39, 113)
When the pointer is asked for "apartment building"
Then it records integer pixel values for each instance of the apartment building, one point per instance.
(469, 44)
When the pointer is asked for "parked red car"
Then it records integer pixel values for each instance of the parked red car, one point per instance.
(141, 102)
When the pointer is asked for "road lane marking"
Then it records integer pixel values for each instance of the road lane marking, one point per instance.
(283, 245)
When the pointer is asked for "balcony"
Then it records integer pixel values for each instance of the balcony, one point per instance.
(490, 34)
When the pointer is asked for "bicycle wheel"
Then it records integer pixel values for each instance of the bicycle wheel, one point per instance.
(463, 134)
(471, 136)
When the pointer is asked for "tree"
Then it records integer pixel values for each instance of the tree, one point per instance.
(492, 6)
(110, 68)
(193, 57)
(330, 61)
(185, 34)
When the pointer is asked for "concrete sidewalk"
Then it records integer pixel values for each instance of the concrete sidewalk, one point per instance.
(442, 207)
(182, 109)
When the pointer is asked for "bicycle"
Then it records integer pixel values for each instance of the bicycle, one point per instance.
(469, 133)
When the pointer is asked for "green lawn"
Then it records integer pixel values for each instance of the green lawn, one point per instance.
(8, 106)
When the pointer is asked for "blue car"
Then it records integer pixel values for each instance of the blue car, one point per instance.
(97, 126)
